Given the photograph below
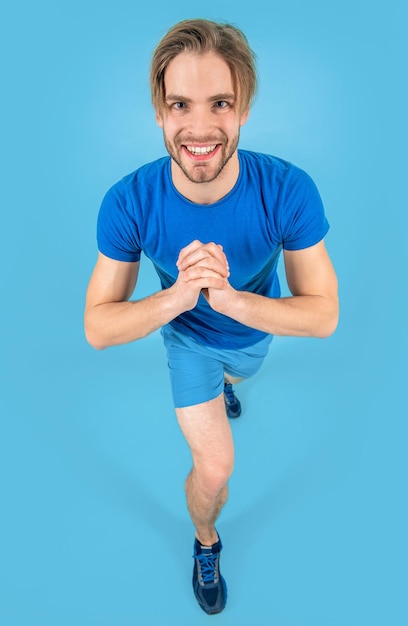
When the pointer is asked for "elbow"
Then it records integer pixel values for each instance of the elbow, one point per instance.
(329, 325)
(94, 341)
(97, 346)
(327, 330)
(92, 337)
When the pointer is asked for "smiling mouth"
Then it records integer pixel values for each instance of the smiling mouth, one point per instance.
(201, 150)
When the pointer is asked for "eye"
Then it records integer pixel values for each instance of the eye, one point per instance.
(221, 104)
(179, 105)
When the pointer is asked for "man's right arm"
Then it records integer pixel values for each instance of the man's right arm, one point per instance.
(110, 319)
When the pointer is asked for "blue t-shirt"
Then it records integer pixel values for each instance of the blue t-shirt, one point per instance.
(273, 205)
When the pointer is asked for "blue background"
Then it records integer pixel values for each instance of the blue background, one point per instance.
(94, 528)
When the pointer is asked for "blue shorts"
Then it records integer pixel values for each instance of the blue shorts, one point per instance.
(197, 371)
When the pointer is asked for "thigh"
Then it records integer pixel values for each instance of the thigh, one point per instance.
(208, 432)
(196, 375)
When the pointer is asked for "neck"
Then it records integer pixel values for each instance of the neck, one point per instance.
(206, 193)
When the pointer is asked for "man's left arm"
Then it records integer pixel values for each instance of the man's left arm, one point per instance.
(311, 311)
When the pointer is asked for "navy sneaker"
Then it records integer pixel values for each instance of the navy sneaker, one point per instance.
(209, 586)
(232, 404)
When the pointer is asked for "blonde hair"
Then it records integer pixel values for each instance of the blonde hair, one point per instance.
(201, 36)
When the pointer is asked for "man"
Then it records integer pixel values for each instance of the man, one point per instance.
(213, 219)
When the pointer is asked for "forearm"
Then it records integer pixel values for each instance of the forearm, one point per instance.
(113, 323)
(301, 316)
(110, 319)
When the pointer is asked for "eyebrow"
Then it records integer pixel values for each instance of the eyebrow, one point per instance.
(219, 96)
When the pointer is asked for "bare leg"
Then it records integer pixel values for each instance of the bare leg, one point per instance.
(204, 509)
(208, 433)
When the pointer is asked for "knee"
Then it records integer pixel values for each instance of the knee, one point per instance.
(213, 477)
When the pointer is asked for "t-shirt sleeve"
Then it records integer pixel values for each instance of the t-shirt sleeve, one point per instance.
(117, 231)
(302, 217)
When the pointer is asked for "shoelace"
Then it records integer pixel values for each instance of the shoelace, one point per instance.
(229, 394)
(208, 564)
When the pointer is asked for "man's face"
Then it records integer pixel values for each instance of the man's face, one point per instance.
(201, 118)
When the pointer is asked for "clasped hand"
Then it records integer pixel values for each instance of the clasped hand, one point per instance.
(203, 268)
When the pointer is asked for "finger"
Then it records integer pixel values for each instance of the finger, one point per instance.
(211, 248)
(205, 277)
(210, 263)
(197, 253)
(210, 282)
(184, 252)
(203, 259)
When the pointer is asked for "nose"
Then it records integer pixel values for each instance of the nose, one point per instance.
(201, 121)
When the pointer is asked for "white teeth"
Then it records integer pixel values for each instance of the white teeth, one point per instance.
(204, 150)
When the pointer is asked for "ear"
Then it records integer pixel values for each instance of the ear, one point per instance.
(159, 118)
(244, 118)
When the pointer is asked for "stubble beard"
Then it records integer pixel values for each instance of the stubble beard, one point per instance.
(201, 172)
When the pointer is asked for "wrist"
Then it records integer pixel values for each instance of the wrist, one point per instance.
(225, 301)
